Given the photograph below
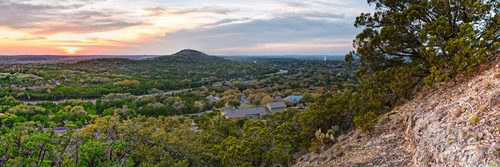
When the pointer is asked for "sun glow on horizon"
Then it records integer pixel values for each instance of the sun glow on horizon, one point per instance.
(159, 27)
(71, 50)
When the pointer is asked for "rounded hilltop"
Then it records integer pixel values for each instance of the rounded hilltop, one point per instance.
(190, 53)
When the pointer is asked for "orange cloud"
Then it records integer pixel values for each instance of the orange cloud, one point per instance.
(155, 27)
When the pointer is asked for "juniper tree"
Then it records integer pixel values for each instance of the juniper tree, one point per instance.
(439, 38)
(408, 44)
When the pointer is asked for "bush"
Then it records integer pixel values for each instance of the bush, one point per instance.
(475, 119)
(365, 122)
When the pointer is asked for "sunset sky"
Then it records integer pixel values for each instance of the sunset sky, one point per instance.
(159, 27)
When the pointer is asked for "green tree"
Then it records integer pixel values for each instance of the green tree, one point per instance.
(9, 101)
(26, 110)
(436, 38)
(408, 44)
(100, 106)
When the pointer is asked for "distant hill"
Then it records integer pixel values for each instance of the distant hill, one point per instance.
(281, 57)
(186, 68)
(187, 56)
(187, 60)
(48, 59)
(190, 53)
(97, 77)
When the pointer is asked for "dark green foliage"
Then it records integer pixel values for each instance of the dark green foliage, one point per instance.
(262, 143)
(437, 39)
(100, 106)
(98, 77)
(328, 111)
(366, 122)
(406, 45)
(109, 142)
(8, 102)
(146, 141)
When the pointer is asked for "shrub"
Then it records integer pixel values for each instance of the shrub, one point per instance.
(475, 119)
(323, 139)
(365, 122)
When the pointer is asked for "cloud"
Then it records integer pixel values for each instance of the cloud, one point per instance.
(316, 14)
(296, 4)
(311, 46)
(227, 21)
(21, 15)
(259, 33)
(85, 27)
(68, 18)
(216, 26)
(330, 2)
(159, 11)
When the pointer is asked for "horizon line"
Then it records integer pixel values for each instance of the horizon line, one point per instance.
(1, 55)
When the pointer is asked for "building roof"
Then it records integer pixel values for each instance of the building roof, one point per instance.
(276, 105)
(57, 130)
(243, 112)
(294, 98)
(212, 99)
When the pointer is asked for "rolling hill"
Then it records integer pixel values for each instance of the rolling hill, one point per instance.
(183, 65)
(97, 77)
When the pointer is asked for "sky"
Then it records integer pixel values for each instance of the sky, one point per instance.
(162, 27)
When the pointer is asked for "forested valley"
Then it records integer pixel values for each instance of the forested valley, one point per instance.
(174, 110)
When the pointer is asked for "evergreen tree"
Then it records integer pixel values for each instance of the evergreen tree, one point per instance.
(409, 44)
(436, 38)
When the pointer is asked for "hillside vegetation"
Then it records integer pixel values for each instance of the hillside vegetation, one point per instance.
(167, 128)
(455, 125)
(406, 47)
(98, 77)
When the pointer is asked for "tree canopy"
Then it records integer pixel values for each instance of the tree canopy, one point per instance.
(436, 38)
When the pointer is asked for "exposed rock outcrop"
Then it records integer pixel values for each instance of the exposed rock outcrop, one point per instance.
(455, 125)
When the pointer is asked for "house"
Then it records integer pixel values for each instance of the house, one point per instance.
(201, 113)
(212, 99)
(250, 113)
(275, 107)
(243, 100)
(57, 130)
(294, 99)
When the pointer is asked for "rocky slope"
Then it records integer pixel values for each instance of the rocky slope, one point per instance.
(455, 125)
